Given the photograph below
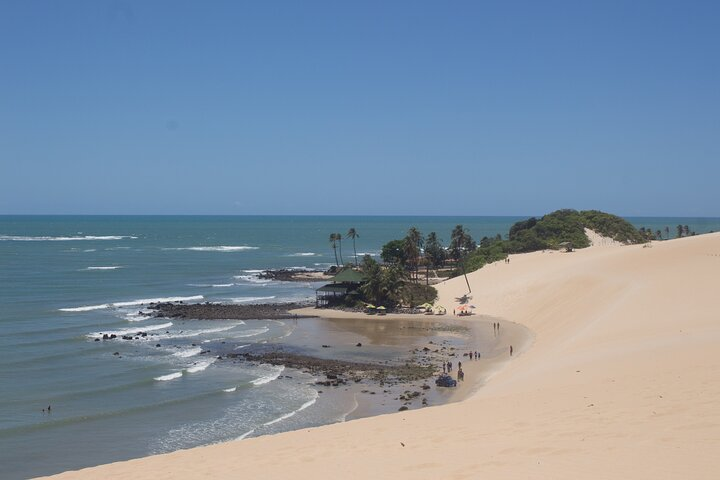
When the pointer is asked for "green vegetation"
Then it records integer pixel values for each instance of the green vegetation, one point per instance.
(352, 233)
(390, 286)
(397, 282)
(613, 227)
(562, 228)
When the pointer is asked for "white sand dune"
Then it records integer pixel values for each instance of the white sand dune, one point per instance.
(622, 381)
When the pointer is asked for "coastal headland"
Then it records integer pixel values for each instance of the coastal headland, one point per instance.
(622, 380)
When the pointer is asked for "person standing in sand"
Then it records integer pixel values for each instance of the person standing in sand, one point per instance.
(511, 350)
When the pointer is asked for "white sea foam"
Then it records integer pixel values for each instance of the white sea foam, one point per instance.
(302, 254)
(218, 248)
(269, 378)
(288, 415)
(252, 279)
(241, 346)
(252, 333)
(131, 331)
(250, 299)
(170, 376)
(191, 352)
(132, 303)
(20, 238)
(90, 250)
(229, 390)
(86, 308)
(194, 333)
(136, 317)
(253, 271)
(244, 435)
(200, 366)
(103, 268)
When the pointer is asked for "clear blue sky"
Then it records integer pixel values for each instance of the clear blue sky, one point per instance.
(299, 107)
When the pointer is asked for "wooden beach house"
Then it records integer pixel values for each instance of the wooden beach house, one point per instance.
(343, 284)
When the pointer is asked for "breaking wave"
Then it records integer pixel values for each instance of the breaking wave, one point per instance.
(269, 378)
(219, 248)
(170, 376)
(131, 303)
(20, 238)
(288, 415)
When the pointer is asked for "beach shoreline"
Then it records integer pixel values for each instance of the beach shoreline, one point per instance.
(622, 380)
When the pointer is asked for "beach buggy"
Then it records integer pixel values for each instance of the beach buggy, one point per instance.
(445, 380)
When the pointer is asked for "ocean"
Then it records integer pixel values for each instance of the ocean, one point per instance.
(67, 280)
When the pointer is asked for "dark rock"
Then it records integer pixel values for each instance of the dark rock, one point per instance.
(326, 346)
(97, 339)
(359, 344)
(116, 353)
(402, 409)
(157, 344)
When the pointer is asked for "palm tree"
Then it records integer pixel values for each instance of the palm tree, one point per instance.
(352, 233)
(338, 237)
(333, 240)
(413, 244)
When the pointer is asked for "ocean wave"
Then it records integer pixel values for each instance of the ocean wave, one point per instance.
(252, 333)
(288, 415)
(244, 435)
(194, 333)
(252, 279)
(229, 390)
(253, 271)
(250, 299)
(241, 346)
(170, 376)
(131, 303)
(130, 331)
(20, 238)
(137, 317)
(191, 352)
(269, 378)
(103, 268)
(218, 248)
(200, 366)
(302, 254)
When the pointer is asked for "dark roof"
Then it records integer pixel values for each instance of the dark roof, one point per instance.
(348, 276)
(344, 289)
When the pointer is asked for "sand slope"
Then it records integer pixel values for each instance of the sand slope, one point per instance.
(622, 381)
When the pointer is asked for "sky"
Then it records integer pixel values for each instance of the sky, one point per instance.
(359, 108)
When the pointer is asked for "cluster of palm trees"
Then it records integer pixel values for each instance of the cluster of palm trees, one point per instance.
(336, 242)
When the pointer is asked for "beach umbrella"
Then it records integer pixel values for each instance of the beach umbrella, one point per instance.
(369, 305)
(380, 308)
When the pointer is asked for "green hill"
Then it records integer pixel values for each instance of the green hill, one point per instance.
(551, 232)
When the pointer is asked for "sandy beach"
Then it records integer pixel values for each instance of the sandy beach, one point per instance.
(619, 378)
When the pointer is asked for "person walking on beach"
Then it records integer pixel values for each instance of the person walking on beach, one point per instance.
(449, 366)
(444, 367)
(511, 350)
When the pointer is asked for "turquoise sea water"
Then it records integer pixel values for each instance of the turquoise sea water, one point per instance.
(66, 280)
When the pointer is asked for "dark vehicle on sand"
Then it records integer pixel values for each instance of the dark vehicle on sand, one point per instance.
(445, 380)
